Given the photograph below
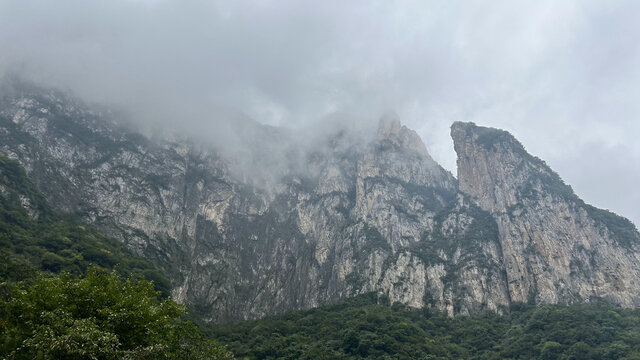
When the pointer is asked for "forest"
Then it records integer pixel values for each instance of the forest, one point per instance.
(368, 327)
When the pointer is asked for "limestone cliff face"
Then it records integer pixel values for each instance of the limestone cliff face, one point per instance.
(248, 234)
(556, 248)
(374, 215)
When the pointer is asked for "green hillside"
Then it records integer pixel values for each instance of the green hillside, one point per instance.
(69, 292)
(35, 238)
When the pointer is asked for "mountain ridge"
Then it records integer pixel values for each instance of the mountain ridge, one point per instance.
(377, 215)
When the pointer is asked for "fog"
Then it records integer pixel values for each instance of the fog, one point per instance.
(562, 76)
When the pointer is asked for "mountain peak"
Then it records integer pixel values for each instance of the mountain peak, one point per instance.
(495, 168)
(389, 123)
(555, 247)
(390, 129)
(486, 137)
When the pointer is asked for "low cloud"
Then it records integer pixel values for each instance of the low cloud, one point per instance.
(561, 76)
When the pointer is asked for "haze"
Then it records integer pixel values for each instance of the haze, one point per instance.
(562, 76)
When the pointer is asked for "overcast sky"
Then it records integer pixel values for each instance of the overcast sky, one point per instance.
(562, 76)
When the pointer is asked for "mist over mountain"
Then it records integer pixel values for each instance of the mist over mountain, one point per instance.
(288, 222)
(198, 66)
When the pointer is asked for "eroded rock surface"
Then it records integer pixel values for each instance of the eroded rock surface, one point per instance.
(342, 217)
(556, 248)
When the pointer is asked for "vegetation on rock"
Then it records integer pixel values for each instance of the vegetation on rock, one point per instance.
(34, 237)
(48, 310)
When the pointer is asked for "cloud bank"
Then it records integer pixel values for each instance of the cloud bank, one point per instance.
(562, 76)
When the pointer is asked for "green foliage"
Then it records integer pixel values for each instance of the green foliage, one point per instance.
(374, 240)
(433, 198)
(97, 317)
(34, 237)
(482, 229)
(622, 230)
(489, 137)
(550, 182)
(367, 327)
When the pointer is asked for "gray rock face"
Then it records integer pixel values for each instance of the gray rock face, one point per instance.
(556, 248)
(343, 217)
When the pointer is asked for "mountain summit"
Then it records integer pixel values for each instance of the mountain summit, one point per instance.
(556, 248)
(390, 129)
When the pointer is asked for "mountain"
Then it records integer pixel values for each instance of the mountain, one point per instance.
(290, 221)
(556, 247)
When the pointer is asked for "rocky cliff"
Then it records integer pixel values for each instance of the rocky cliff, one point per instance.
(343, 217)
(556, 248)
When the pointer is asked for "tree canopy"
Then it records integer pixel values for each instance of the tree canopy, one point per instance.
(367, 327)
(99, 316)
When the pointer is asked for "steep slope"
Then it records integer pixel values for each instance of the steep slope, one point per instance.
(359, 216)
(36, 238)
(556, 248)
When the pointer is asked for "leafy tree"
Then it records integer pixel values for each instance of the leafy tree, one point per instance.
(97, 317)
(551, 350)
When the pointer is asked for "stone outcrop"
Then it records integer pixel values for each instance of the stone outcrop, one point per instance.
(556, 248)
